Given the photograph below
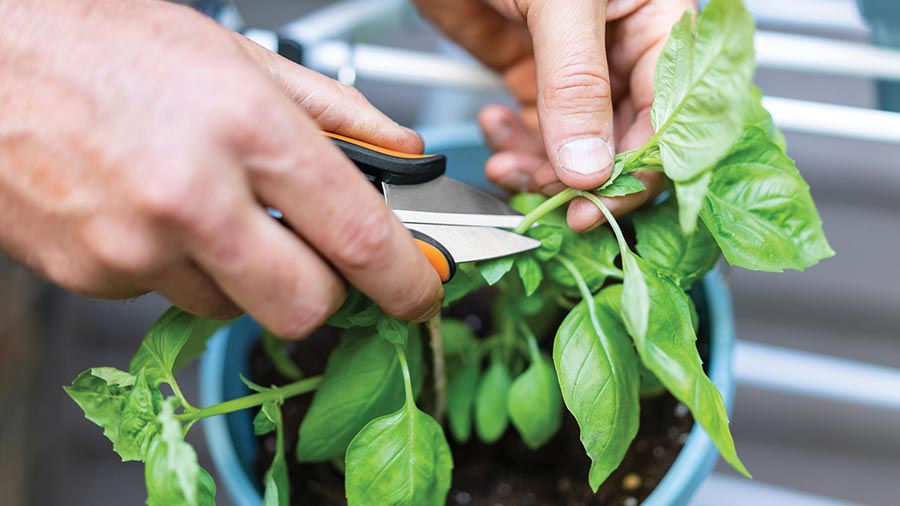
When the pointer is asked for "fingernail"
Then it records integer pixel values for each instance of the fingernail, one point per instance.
(587, 155)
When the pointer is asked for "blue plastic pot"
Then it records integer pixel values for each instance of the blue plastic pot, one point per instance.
(232, 443)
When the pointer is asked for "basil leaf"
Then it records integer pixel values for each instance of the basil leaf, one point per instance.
(172, 474)
(593, 253)
(356, 311)
(362, 381)
(530, 272)
(491, 419)
(277, 351)
(651, 386)
(401, 459)
(161, 346)
(668, 349)
(462, 382)
(275, 482)
(493, 270)
(760, 211)
(263, 423)
(635, 296)
(623, 185)
(123, 405)
(201, 330)
(758, 116)
(393, 330)
(598, 374)
(551, 240)
(661, 243)
(459, 341)
(462, 284)
(534, 402)
(700, 95)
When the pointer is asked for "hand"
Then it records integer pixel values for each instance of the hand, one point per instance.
(140, 142)
(582, 72)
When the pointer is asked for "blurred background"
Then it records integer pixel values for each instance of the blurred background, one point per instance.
(802, 422)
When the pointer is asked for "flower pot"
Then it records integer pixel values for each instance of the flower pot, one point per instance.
(233, 445)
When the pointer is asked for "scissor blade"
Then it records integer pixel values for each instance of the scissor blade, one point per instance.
(446, 201)
(471, 244)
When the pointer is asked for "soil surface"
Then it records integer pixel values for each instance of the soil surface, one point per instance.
(506, 473)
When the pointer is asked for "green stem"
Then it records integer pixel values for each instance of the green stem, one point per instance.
(609, 217)
(179, 395)
(290, 390)
(583, 288)
(407, 382)
(533, 348)
(546, 207)
(439, 369)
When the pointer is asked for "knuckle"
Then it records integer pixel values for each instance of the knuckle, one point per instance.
(301, 323)
(579, 85)
(364, 239)
(119, 247)
(171, 197)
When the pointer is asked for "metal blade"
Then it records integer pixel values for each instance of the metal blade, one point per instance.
(448, 202)
(471, 244)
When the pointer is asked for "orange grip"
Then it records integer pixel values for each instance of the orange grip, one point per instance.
(377, 149)
(436, 258)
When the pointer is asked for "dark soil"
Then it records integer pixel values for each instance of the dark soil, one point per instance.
(506, 473)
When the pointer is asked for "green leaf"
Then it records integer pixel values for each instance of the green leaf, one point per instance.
(760, 211)
(123, 405)
(530, 272)
(462, 382)
(401, 459)
(551, 238)
(201, 330)
(758, 116)
(275, 483)
(623, 185)
(277, 351)
(534, 402)
(635, 296)
(598, 374)
(161, 346)
(393, 330)
(668, 349)
(459, 341)
(493, 270)
(661, 243)
(593, 253)
(491, 418)
(462, 284)
(362, 381)
(356, 311)
(263, 423)
(172, 474)
(701, 84)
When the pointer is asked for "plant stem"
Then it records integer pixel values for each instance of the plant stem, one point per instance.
(547, 206)
(290, 390)
(609, 217)
(440, 373)
(407, 382)
(583, 288)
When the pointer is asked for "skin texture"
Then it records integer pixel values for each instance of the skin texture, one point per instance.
(139, 142)
(577, 68)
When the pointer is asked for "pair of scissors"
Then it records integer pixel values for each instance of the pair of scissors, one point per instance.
(450, 221)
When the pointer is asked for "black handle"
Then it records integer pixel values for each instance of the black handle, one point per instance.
(390, 166)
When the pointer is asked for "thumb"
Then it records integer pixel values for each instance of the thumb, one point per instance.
(574, 96)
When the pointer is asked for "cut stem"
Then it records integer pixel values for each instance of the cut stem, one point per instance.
(290, 390)
(546, 207)
(440, 373)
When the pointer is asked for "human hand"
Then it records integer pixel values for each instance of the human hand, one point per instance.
(140, 142)
(582, 72)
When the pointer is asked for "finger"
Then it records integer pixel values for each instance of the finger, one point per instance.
(477, 27)
(514, 171)
(574, 99)
(334, 106)
(328, 202)
(583, 214)
(505, 131)
(195, 292)
(264, 269)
